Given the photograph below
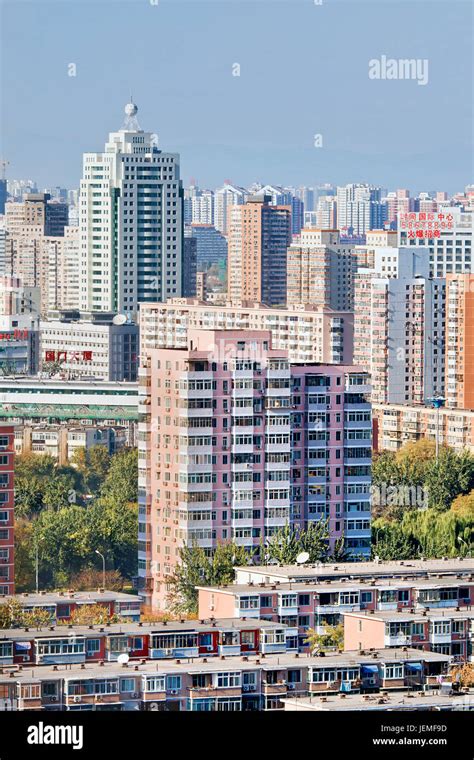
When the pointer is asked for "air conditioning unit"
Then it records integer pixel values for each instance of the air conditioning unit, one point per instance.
(174, 692)
(291, 687)
(245, 687)
(76, 699)
(135, 695)
(53, 699)
(209, 648)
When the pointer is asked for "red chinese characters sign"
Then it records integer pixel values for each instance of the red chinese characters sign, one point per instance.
(62, 356)
(425, 224)
(14, 335)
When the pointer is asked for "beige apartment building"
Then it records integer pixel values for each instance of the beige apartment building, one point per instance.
(259, 235)
(309, 333)
(320, 271)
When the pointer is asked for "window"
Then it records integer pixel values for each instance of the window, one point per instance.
(155, 684)
(294, 676)
(225, 680)
(173, 683)
(127, 684)
(249, 603)
(92, 646)
(393, 671)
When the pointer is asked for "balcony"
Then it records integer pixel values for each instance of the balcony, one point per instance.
(398, 640)
(274, 688)
(229, 649)
(278, 648)
(440, 638)
(287, 611)
(157, 653)
(201, 692)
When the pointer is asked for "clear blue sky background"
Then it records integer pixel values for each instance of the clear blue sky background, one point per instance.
(304, 70)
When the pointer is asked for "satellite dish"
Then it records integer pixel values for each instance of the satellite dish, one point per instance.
(119, 319)
(123, 658)
(302, 558)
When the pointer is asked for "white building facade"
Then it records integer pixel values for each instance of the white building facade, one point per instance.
(130, 222)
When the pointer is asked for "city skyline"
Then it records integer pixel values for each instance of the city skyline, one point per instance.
(292, 64)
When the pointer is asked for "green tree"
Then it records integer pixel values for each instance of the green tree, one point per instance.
(195, 568)
(413, 461)
(35, 465)
(24, 555)
(286, 543)
(112, 528)
(384, 469)
(389, 542)
(91, 614)
(121, 482)
(64, 543)
(10, 613)
(59, 492)
(28, 495)
(332, 638)
(93, 465)
(451, 475)
(463, 506)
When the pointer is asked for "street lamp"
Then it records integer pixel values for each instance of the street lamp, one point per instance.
(103, 566)
(437, 402)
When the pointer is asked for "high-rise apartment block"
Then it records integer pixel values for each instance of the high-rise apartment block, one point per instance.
(399, 326)
(189, 267)
(459, 387)
(257, 260)
(63, 271)
(130, 222)
(37, 213)
(224, 198)
(211, 245)
(447, 234)
(360, 208)
(7, 504)
(320, 270)
(31, 228)
(237, 443)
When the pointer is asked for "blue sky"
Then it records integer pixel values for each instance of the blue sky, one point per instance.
(303, 71)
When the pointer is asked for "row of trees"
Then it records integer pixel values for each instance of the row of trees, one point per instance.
(415, 464)
(445, 524)
(66, 514)
(13, 615)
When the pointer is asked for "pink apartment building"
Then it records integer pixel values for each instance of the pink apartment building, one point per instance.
(7, 456)
(236, 443)
(445, 631)
(317, 603)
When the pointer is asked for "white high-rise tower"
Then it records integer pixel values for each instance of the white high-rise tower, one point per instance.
(130, 222)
